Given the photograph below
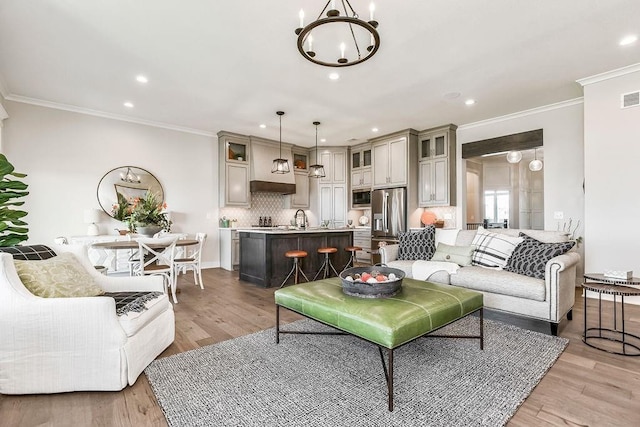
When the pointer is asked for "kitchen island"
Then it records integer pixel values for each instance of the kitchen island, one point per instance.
(262, 250)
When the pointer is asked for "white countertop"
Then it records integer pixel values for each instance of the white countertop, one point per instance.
(275, 230)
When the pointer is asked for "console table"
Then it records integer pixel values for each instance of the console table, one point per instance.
(602, 284)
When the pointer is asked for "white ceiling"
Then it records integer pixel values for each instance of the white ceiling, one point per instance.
(230, 65)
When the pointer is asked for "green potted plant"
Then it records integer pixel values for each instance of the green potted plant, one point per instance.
(147, 216)
(13, 229)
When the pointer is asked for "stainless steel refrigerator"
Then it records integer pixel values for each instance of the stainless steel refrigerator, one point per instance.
(389, 217)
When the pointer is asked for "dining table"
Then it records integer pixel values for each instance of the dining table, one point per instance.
(133, 244)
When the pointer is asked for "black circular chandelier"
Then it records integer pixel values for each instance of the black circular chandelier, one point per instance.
(347, 32)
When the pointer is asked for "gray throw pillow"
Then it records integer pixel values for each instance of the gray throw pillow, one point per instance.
(530, 257)
(417, 245)
(461, 255)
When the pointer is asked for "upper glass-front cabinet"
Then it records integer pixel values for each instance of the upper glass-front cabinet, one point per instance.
(433, 146)
(300, 162)
(237, 151)
(360, 158)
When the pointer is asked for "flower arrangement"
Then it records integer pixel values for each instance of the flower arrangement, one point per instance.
(121, 210)
(142, 212)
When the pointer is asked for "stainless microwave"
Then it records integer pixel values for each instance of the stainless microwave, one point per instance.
(361, 198)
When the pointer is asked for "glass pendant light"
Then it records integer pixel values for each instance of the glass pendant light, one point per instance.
(280, 165)
(514, 156)
(535, 165)
(317, 170)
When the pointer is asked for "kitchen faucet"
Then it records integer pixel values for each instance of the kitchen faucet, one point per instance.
(304, 218)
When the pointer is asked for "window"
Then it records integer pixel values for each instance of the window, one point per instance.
(496, 205)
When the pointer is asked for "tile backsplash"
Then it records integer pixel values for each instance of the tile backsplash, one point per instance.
(262, 204)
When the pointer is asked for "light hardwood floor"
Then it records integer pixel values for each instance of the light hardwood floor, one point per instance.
(586, 387)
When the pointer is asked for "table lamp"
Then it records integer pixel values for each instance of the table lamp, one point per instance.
(91, 216)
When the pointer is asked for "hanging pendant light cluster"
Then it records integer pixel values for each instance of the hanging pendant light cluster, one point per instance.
(280, 165)
(317, 170)
(339, 25)
(535, 165)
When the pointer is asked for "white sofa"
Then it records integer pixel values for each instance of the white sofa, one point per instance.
(52, 345)
(548, 300)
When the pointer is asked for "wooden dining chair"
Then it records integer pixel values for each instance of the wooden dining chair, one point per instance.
(157, 257)
(193, 261)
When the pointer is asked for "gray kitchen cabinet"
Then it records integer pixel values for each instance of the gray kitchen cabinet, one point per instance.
(437, 167)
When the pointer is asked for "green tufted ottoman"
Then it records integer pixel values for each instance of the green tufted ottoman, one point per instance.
(419, 309)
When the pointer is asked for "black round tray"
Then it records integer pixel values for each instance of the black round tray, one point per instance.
(372, 290)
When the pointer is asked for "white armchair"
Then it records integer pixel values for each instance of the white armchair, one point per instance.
(52, 345)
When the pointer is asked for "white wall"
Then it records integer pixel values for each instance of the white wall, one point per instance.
(612, 172)
(65, 155)
(563, 135)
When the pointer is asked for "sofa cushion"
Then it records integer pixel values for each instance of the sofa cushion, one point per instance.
(460, 255)
(499, 282)
(446, 235)
(418, 244)
(134, 320)
(62, 276)
(531, 256)
(439, 276)
(493, 249)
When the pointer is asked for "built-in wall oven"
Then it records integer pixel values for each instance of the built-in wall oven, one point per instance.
(360, 199)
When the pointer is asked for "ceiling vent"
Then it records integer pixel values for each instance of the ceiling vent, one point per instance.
(631, 99)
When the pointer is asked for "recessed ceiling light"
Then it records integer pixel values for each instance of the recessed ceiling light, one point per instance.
(625, 41)
(128, 104)
(323, 140)
(470, 101)
(263, 126)
(374, 129)
(451, 95)
(142, 79)
(334, 76)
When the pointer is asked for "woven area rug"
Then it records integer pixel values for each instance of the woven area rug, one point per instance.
(314, 380)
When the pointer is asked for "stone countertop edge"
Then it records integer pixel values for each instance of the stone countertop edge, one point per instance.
(283, 231)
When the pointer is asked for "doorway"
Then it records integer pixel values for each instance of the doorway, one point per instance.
(500, 193)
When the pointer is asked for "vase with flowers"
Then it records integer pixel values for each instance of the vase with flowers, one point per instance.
(143, 215)
(147, 216)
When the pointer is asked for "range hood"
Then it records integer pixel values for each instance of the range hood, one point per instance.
(262, 180)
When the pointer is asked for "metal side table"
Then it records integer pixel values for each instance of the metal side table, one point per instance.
(607, 285)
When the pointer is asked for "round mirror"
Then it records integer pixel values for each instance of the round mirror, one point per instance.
(126, 183)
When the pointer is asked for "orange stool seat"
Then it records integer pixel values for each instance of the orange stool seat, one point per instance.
(295, 254)
(327, 250)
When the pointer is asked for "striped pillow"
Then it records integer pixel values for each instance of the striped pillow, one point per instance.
(492, 249)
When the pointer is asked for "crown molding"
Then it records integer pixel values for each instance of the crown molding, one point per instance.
(123, 118)
(609, 75)
(525, 113)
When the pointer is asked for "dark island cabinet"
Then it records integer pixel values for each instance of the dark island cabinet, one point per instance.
(262, 259)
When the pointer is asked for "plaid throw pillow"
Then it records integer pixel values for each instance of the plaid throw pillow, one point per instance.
(29, 252)
(417, 245)
(531, 256)
(493, 249)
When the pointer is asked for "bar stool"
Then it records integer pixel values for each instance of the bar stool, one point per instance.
(296, 255)
(352, 259)
(324, 268)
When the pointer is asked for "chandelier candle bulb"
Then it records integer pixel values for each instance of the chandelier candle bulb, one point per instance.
(372, 7)
(310, 43)
(301, 14)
